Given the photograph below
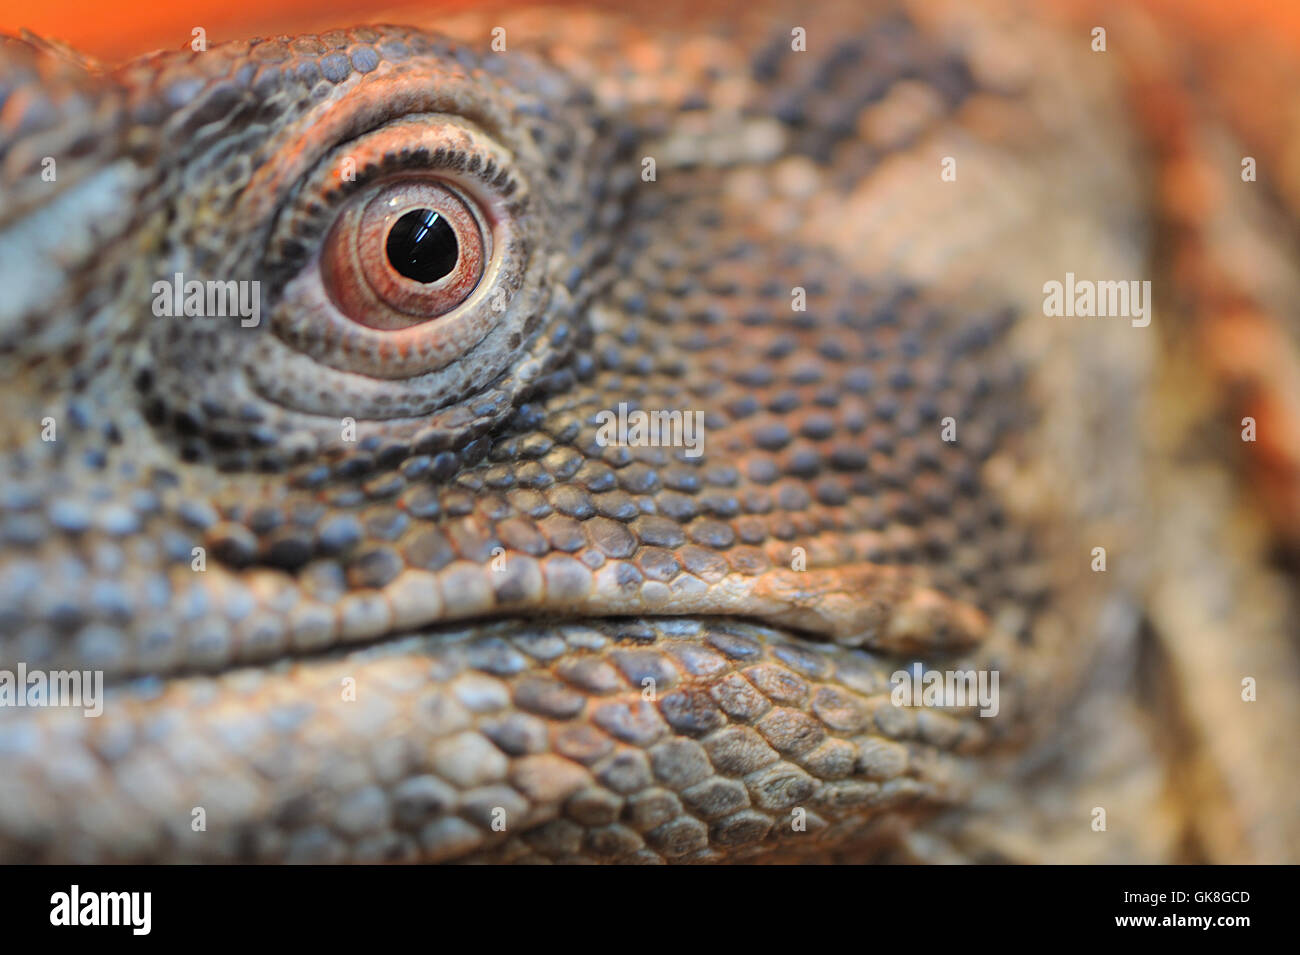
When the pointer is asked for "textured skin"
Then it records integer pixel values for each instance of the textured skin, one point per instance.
(450, 622)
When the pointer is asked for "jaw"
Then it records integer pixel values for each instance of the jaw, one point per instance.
(677, 738)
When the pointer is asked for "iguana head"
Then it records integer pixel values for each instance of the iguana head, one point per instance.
(324, 341)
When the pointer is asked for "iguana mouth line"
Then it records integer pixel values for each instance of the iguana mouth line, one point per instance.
(449, 632)
(886, 610)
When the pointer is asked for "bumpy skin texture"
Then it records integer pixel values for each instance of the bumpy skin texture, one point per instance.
(476, 632)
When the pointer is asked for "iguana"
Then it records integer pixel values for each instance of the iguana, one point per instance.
(567, 434)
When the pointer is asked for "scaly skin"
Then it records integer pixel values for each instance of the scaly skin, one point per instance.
(476, 632)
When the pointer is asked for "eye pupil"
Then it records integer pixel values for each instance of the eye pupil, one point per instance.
(422, 246)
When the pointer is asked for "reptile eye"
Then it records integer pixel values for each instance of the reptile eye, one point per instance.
(404, 286)
(412, 253)
(421, 246)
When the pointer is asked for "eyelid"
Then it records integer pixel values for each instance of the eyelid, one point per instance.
(447, 148)
(383, 100)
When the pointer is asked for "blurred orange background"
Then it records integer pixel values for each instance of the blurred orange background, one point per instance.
(118, 30)
(113, 31)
